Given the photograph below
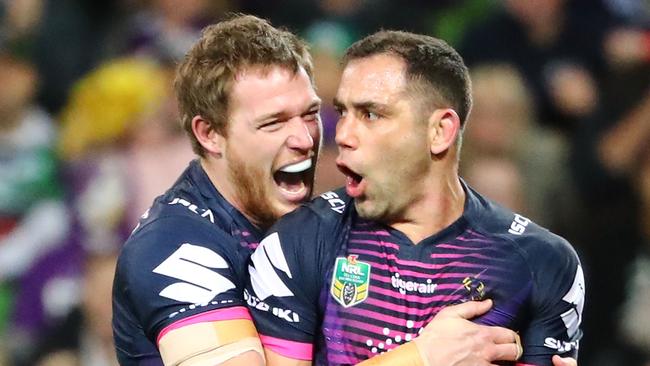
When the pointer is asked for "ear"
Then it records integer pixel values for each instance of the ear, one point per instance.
(211, 140)
(444, 126)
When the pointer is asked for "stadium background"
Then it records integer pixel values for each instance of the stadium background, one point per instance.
(560, 132)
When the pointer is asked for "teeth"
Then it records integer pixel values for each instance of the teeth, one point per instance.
(297, 167)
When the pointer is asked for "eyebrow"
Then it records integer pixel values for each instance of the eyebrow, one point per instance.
(366, 105)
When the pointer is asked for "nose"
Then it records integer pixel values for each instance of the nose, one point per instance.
(302, 135)
(346, 137)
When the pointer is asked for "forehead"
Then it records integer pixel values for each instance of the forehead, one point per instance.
(272, 89)
(379, 78)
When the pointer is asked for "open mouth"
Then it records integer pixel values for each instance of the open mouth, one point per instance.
(293, 179)
(353, 183)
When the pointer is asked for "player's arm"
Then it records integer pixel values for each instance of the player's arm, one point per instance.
(184, 288)
(557, 302)
(220, 342)
(283, 287)
(275, 359)
(285, 311)
(451, 339)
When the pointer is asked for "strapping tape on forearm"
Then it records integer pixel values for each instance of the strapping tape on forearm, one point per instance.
(405, 355)
(209, 343)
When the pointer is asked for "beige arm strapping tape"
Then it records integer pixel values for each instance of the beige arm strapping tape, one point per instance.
(209, 343)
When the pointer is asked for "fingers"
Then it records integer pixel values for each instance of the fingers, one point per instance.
(468, 310)
(500, 335)
(506, 344)
(559, 361)
(505, 352)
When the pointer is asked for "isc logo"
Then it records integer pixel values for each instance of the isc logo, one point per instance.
(518, 225)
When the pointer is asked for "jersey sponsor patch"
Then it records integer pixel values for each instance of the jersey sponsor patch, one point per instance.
(193, 264)
(518, 225)
(350, 281)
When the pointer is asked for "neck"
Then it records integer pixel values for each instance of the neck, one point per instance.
(441, 203)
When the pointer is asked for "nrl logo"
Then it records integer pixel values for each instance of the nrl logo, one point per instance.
(350, 281)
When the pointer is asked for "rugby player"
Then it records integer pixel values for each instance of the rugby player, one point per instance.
(359, 272)
(248, 104)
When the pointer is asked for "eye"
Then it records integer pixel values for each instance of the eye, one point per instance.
(341, 112)
(370, 116)
(311, 116)
(270, 125)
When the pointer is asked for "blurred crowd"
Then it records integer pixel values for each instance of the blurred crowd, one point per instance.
(89, 135)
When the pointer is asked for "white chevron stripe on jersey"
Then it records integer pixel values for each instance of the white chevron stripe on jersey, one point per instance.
(264, 278)
(191, 263)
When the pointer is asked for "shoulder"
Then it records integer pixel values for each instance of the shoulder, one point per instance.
(551, 261)
(329, 208)
(537, 244)
(171, 231)
(307, 237)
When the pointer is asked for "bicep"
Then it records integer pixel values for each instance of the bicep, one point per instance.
(228, 342)
(555, 329)
(281, 298)
(276, 359)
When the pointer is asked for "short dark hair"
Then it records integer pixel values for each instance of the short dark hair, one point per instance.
(205, 76)
(433, 68)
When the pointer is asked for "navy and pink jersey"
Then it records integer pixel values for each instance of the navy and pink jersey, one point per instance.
(184, 263)
(328, 286)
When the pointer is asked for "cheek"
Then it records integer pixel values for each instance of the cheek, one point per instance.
(316, 131)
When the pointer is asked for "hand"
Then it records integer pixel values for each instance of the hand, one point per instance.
(559, 361)
(450, 339)
(573, 89)
(625, 47)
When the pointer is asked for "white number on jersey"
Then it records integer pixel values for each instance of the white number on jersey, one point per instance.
(191, 264)
(264, 278)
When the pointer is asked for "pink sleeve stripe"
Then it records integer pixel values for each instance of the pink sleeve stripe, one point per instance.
(236, 312)
(524, 364)
(290, 349)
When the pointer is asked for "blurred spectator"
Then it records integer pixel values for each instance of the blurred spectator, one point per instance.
(21, 18)
(607, 158)
(360, 17)
(165, 29)
(502, 138)
(627, 47)
(499, 179)
(122, 145)
(34, 220)
(71, 37)
(121, 142)
(555, 45)
(85, 336)
(635, 320)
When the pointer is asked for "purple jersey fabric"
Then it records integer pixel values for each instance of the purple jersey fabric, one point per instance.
(355, 288)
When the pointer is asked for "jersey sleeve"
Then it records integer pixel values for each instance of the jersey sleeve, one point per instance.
(175, 272)
(283, 288)
(557, 302)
